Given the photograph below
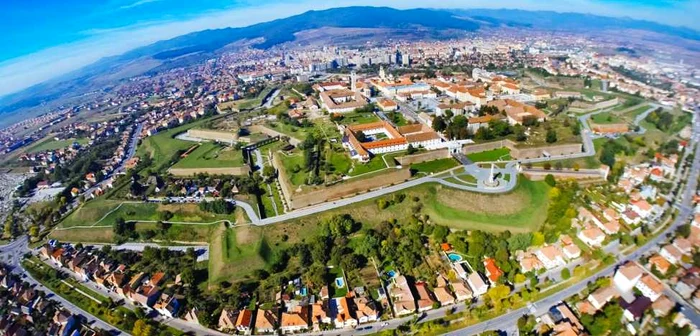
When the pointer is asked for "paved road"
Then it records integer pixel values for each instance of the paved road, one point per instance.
(130, 151)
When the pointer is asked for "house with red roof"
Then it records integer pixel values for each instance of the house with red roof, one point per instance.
(493, 273)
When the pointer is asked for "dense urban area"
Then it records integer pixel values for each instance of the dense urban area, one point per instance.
(516, 184)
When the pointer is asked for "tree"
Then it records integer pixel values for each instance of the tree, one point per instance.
(497, 294)
(439, 124)
(565, 274)
(520, 278)
(440, 233)
(549, 179)
(519, 242)
(551, 136)
(382, 204)
(269, 172)
(537, 239)
(34, 231)
(187, 276)
(410, 149)
(141, 328)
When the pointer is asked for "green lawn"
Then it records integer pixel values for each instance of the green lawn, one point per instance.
(51, 144)
(337, 272)
(163, 146)
(637, 111)
(212, 155)
(292, 162)
(435, 166)
(355, 118)
(102, 212)
(492, 155)
(374, 164)
(299, 133)
(469, 179)
(606, 118)
(532, 203)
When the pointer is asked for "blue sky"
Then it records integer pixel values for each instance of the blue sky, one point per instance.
(43, 39)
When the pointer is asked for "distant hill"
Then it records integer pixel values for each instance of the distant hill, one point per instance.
(549, 20)
(198, 46)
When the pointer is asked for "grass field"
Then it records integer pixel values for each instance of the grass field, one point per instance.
(355, 118)
(606, 118)
(51, 144)
(299, 133)
(492, 155)
(102, 212)
(435, 166)
(374, 164)
(230, 249)
(162, 146)
(211, 155)
(522, 210)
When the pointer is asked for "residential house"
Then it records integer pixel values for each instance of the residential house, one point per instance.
(462, 292)
(660, 263)
(493, 273)
(650, 287)
(592, 236)
(627, 276)
(662, 306)
(191, 316)
(319, 315)
(601, 296)
(642, 208)
(244, 321)
(167, 305)
(265, 321)
(227, 320)
(571, 251)
(461, 269)
(550, 256)
(687, 284)
(400, 291)
(683, 245)
(341, 313)
(365, 310)
(672, 254)
(425, 302)
(146, 295)
(293, 322)
(529, 263)
(477, 284)
(634, 311)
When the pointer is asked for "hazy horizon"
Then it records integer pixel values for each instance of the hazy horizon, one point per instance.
(57, 44)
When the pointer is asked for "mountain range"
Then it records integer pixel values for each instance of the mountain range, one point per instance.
(198, 46)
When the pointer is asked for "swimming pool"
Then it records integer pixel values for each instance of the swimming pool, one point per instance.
(391, 274)
(339, 282)
(454, 257)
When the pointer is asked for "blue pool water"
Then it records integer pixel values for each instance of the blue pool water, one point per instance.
(454, 257)
(339, 282)
(391, 274)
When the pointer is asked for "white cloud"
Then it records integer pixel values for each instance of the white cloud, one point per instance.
(35, 68)
(137, 3)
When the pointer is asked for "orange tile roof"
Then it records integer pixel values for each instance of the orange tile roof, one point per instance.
(293, 320)
(245, 316)
(493, 270)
